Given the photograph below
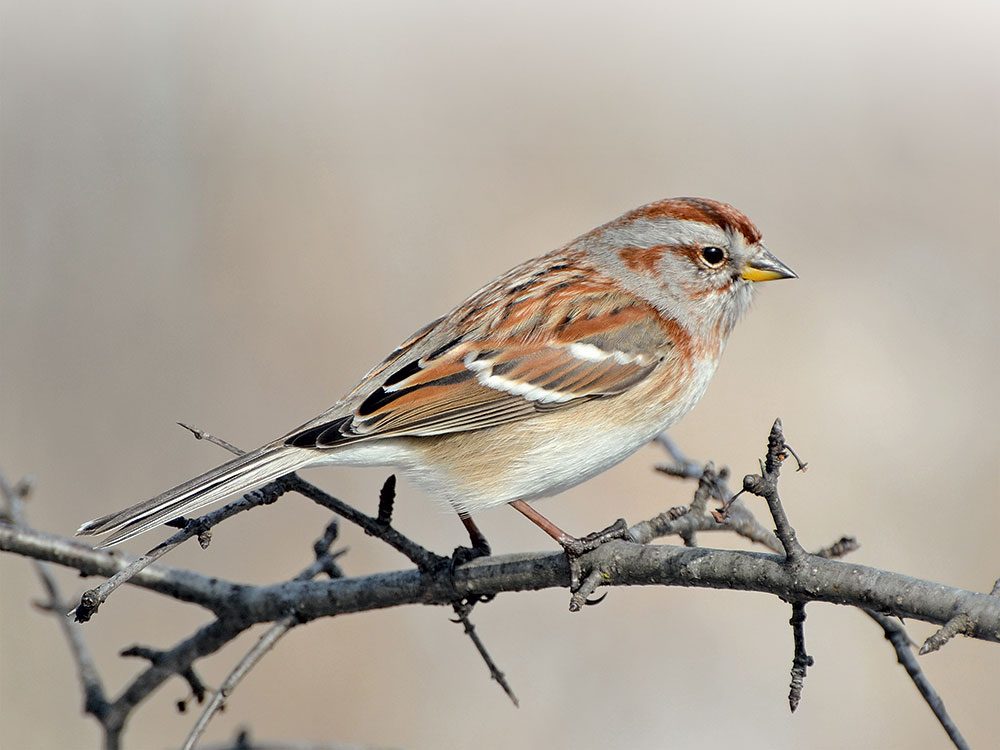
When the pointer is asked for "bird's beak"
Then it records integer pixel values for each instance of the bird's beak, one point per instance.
(765, 267)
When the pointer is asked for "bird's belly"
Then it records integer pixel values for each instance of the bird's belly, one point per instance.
(545, 455)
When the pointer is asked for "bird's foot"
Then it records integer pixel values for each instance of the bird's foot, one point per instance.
(576, 547)
(463, 555)
(584, 584)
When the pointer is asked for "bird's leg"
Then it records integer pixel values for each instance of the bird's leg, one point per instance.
(480, 547)
(574, 546)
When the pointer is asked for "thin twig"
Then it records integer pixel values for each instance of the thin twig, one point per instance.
(765, 485)
(896, 634)
(157, 658)
(386, 499)
(734, 516)
(94, 698)
(418, 555)
(266, 642)
(202, 435)
(92, 599)
(801, 660)
(240, 606)
(462, 611)
(666, 565)
(683, 466)
(960, 624)
(423, 558)
(325, 562)
(840, 548)
(737, 517)
(178, 661)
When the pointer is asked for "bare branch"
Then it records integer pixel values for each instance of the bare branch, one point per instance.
(266, 642)
(94, 698)
(423, 558)
(765, 485)
(840, 548)
(792, 575)
(682, 466)
(960, 624)
(462, 612)
(801, 660)
(377, 527)
(175, 661)
(325, 563)
(92, 599)
(182, 585)
(156, 658)
(896, 634)
(386, 499)
(735, 516)
(202, 435)
(627, 564)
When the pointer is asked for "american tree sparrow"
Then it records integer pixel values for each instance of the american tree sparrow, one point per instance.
(548, 375)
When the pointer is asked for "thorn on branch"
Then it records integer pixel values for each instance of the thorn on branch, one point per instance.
(800, 464)
(801, 661)
(722, 514)
(840, 548)
(960, 624)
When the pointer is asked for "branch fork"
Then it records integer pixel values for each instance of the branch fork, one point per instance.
(629, 561)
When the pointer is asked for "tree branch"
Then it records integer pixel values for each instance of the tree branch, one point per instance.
(627, 563)
(792, 575)
(896, 634)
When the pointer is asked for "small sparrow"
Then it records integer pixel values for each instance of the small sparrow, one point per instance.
(550, 374)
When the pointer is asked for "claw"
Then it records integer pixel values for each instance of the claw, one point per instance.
(576, 547)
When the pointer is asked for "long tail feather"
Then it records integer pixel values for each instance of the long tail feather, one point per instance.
(235, 477)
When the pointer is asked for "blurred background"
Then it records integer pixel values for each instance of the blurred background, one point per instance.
(224, 213)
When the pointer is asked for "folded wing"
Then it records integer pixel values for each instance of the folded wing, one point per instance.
(477, 384)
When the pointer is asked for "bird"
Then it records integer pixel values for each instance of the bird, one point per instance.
(546, 376)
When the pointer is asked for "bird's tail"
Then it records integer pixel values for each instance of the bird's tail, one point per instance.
(240, 475)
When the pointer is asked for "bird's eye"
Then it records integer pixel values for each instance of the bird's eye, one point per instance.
(713, 256)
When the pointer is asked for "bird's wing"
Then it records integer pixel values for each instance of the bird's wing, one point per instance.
(486, 380)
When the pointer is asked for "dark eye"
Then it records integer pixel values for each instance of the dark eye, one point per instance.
(713, 256)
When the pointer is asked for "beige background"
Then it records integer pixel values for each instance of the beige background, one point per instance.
(225, 212)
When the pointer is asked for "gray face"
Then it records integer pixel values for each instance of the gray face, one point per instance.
(690, 270)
